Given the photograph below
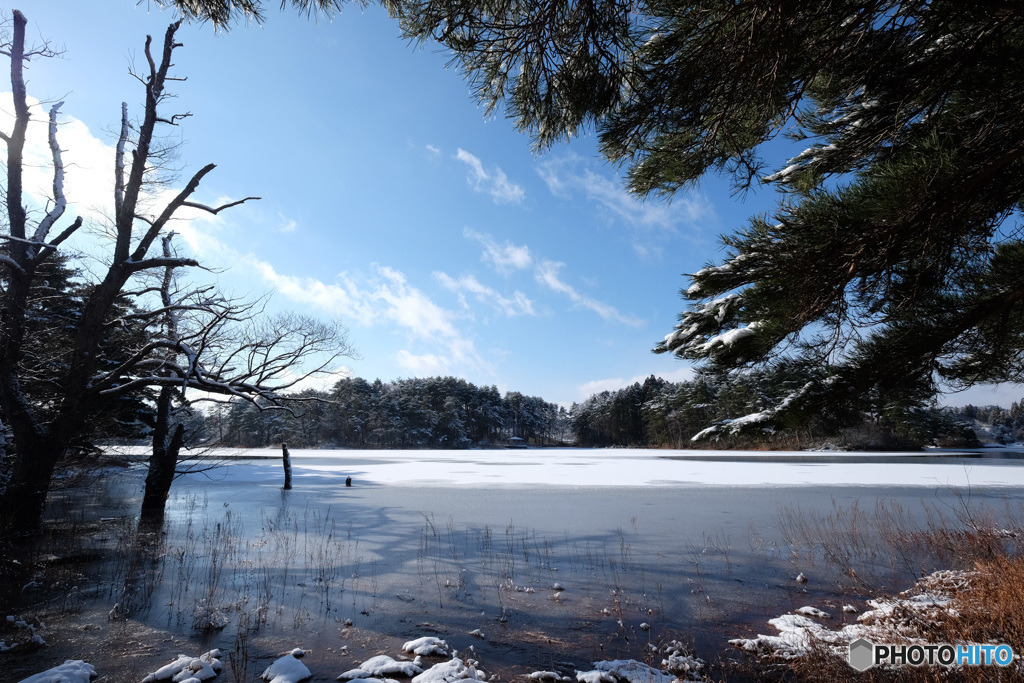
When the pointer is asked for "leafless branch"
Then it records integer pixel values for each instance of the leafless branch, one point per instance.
(215, 211)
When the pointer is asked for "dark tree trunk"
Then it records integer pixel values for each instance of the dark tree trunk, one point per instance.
(287, 460)
(164, 460)
(21, 506)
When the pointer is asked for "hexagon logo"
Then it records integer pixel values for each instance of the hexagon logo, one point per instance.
(862, 653)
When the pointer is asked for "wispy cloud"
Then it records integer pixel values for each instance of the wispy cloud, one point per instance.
(493, 182)
(424, 365)
(652, 222)
(517, 304)
(547, 274)
(504, 257)
(387, 298)
(287, 224)
(433, 150)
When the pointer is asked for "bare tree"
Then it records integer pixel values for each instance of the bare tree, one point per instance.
(237, 361)
(219, 347)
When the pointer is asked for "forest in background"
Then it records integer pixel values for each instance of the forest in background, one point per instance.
(451, 413)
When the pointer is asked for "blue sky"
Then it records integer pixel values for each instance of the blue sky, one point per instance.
(439, 237)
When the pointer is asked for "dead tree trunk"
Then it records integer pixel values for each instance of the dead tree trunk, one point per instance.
(39, 443)
(286, 459)
(164, 460)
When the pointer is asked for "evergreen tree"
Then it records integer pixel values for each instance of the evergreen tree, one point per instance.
(893, 260)
(53, 307)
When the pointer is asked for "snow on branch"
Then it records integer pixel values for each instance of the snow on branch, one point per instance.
(60, 202)
(215, 211)
(765, 420)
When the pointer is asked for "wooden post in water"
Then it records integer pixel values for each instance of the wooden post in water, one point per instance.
(287, 458)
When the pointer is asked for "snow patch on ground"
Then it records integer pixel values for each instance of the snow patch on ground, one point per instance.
(71, 671)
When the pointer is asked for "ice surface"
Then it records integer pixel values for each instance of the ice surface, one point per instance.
(617, 468)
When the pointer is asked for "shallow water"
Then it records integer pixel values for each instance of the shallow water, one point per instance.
(443, 543)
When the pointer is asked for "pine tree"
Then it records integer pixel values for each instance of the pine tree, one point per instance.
(894, 259)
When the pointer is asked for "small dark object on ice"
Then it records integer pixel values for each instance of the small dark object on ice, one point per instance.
(348, 481)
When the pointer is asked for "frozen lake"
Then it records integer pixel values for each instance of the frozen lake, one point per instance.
(642, 467)
(556, 555)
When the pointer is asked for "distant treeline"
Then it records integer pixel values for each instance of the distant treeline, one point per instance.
(657, 413)
(436, 412)
(446, 412)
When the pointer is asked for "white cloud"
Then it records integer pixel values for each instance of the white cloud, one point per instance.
(504, 257)
(596, 386)
(433, 150)
(651, 222)
(287, 224)
(494, 183)
(343, 300)
(88, 162)
(518, 304)
(425, 365)
(89, 184)
(387, 298)
(321, 382)
(547, 272)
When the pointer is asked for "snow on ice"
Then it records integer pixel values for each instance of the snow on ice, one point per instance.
(630, 670)
(71, 671)
(188, 668)
(427, 645)
(287, 669)
(452, 670)
(382, 665)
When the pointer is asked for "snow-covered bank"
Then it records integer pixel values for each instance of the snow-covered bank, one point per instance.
(289, 668)
(914, 617)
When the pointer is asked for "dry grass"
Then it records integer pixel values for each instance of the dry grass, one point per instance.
(887, 547)
(988, 608)
(991, 608)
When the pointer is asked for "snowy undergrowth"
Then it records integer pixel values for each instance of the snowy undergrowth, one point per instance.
(26, 632)
(907, 618)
